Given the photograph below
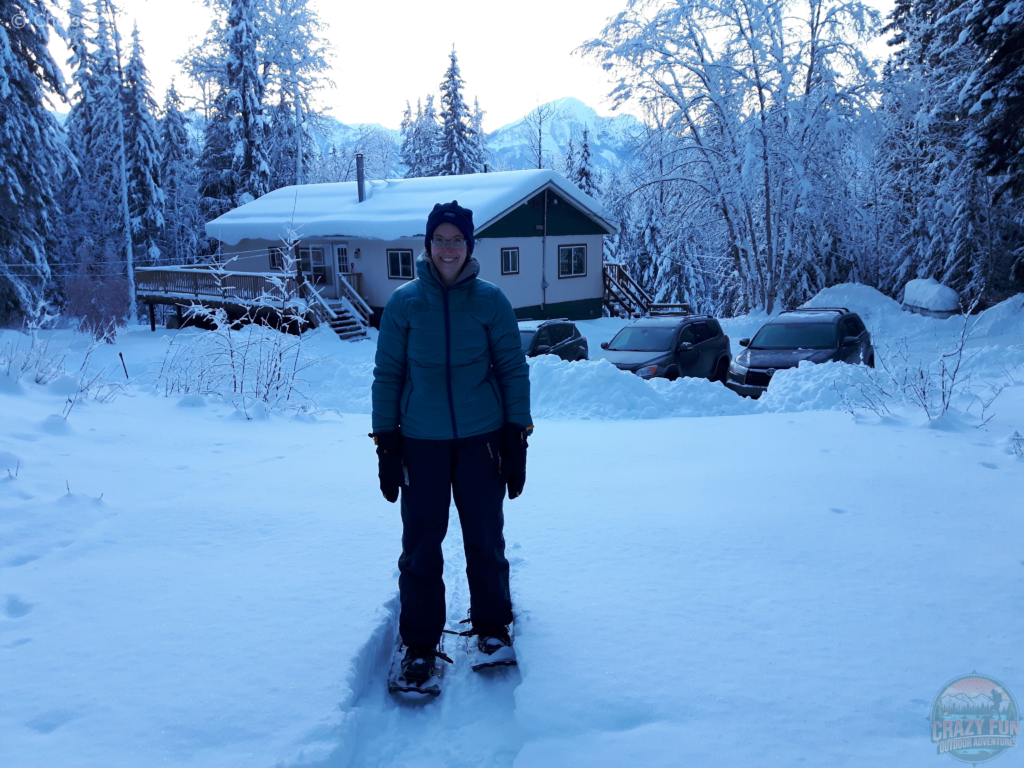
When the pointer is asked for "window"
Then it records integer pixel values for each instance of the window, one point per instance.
(400, 265)
(277, 258)
(313, 265)
(561, 332)
(702, 332)
(544, 337)
(510, 261)
(687, 336)
(343, 264)
(572, 260)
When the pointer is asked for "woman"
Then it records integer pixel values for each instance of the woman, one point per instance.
(451, 413)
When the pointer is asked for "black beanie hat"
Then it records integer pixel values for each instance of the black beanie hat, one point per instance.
(453, 213)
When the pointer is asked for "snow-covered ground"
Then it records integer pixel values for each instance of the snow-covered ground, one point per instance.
(699, 579)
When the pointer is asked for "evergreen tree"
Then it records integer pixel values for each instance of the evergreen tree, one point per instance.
(282, 145)
(994, 93)
(145, 196)
(569, 162)
(457, 150)
(583, 170)
(428, 140)
(478, 141)
(406, 152)
(243, 105)
(30, 155)
(178, 174)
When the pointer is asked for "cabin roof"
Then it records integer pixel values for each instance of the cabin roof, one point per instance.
(393, 209)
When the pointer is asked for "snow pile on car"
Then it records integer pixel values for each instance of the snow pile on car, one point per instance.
(929, 295)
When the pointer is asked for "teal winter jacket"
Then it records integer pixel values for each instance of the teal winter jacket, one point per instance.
(449, 362)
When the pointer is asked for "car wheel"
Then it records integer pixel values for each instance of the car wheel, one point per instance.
(871, 360)
(721, 371)
(673, 373)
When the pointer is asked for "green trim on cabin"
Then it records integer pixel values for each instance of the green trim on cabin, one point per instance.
(564, 220)
(583, 309)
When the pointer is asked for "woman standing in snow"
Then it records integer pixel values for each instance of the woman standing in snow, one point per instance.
(451, 412)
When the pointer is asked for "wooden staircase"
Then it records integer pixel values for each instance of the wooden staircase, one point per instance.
(344, 323)
(625, 297)
(348, 316)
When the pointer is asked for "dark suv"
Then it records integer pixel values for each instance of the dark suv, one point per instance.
(553, 337)
(671, 347)
(818, 334)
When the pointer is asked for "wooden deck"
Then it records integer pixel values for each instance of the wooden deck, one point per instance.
(210, 286)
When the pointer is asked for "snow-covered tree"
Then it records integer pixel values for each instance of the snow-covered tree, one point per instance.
(243, 104)
(30, 156)
(583, 168)
(755, 117)
(994, 92)
(478, 139)
(180, 242)
(145, 196)
(457, 149)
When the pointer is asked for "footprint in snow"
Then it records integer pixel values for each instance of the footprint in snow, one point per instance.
(988, 465)
(838, 511)
(15, 608)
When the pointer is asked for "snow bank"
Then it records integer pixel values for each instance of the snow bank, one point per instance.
(930, 295)
(596, 389)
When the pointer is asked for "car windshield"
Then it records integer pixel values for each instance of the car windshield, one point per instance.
(639, 338)
(796, 336)
(527, 337)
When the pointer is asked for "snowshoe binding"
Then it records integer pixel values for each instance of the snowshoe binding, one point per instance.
(416, 670)
(489, 646)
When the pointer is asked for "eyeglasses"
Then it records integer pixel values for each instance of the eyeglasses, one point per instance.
(455, 242)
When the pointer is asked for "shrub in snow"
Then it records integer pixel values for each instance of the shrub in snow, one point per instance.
(245, 366)
(930, 297)
(99, 303)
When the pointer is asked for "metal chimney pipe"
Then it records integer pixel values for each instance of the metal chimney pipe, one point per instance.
(360, 177)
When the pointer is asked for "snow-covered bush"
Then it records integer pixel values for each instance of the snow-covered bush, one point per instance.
(245, 366)
(932, 385)
(30, 356)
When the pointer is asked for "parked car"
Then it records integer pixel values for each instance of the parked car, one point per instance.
(818, 334)
(553, 337)
(670, 347)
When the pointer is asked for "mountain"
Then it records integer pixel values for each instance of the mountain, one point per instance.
(611, 138)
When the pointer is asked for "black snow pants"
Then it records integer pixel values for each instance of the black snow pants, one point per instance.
(435, 469)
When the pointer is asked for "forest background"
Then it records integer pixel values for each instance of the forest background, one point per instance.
(773, 159)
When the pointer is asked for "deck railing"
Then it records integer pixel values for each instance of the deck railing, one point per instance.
(213, 283)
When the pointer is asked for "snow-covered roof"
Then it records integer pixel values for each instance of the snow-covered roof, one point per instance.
(394, 209)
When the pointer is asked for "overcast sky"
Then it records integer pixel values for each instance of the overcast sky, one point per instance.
(512, 55)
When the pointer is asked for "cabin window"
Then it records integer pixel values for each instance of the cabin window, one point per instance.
(400, 265)
(572, 260)
(313, 265)
(510, 261)
(277, 258)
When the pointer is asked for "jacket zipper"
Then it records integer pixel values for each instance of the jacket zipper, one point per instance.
(448, 360)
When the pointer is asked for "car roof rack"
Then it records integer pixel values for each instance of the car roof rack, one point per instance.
(816, 309)
(670, 309)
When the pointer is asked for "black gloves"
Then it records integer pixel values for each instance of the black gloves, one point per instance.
(389, 463)
(513, 457)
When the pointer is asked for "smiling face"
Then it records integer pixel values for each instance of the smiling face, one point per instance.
(448, 260)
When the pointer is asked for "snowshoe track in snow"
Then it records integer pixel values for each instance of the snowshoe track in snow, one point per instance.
(472, 722)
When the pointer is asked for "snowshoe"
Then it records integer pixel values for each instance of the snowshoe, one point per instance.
(416, 670)
(489, 646)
